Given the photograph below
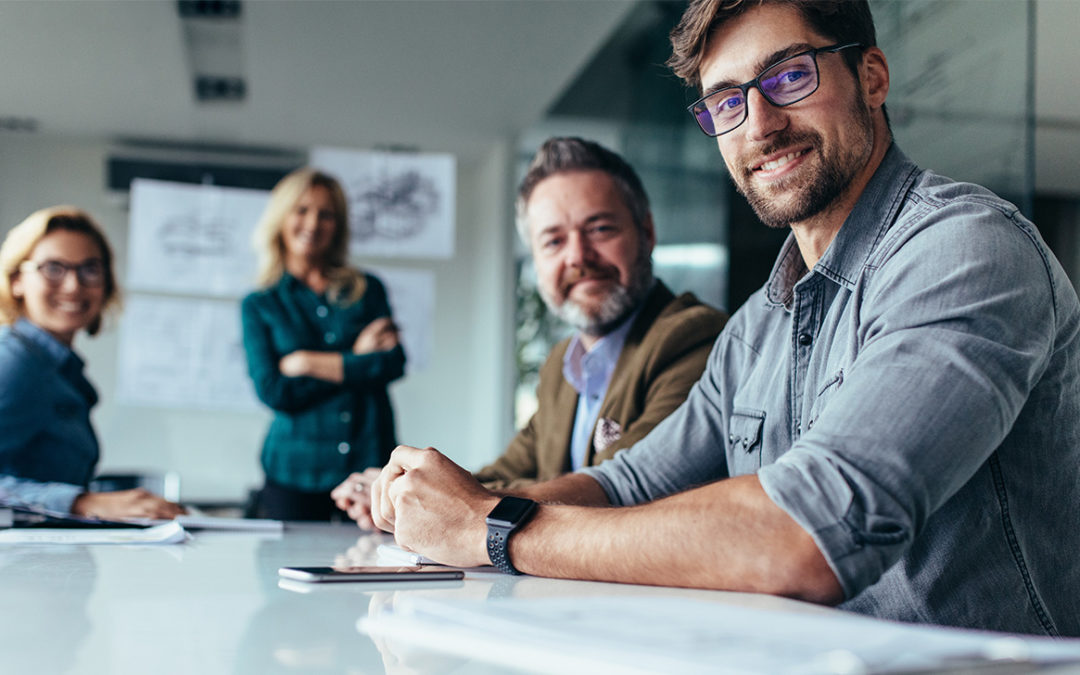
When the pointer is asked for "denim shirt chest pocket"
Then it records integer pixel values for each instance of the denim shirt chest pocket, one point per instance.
(744, 440)
(825, 392)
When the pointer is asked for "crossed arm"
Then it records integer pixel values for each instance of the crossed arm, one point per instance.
(725, 535)
(381, 335)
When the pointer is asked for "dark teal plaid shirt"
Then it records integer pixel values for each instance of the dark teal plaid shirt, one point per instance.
(321, 431)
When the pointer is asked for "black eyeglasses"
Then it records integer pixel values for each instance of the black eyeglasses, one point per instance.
(90, 273)
(785, 82)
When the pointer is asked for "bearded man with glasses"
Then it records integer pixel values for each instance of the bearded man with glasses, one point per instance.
(891, 424)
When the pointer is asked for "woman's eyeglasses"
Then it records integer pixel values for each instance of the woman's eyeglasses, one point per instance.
(90, 273)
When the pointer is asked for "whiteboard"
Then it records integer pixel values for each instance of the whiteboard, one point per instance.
(183, 353)
(401, 205)
(193, 239)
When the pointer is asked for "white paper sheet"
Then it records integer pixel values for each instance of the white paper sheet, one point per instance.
(682, 635)
(400, 204)
(193, 522)
(412, 300)
(392, 554)
(183, 352)
(169, 533)
(193, 239)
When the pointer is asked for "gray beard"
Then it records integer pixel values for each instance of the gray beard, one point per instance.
(618, 305)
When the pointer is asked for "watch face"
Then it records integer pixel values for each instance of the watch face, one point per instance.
(510, 510)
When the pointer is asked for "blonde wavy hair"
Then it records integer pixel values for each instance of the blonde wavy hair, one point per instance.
(347, 284)
(19, 245)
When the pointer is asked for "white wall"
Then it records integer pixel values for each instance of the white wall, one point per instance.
(460, 404)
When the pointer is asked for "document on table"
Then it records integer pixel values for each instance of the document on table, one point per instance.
(169, 533)
(201, 522)
(392, 554)
(677, 634)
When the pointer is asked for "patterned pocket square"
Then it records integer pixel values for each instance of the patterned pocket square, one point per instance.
(607, 432)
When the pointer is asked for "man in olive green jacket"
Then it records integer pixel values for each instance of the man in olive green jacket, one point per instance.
(637, 349)
(663, 356)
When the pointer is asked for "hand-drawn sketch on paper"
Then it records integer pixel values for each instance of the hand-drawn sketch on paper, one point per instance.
(412, 300)
(183, 353)
(400, 204)
(193, 239)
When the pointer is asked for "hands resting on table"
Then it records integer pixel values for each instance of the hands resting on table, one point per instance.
(137, 503)
(441, 506)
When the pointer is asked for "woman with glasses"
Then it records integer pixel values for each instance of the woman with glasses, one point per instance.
(321, 350)
(56, 279)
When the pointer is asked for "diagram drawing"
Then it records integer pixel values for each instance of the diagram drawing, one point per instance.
(392, 206)
(401, 204)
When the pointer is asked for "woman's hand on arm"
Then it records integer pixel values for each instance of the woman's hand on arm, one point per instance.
(381, 335)
(137, 503)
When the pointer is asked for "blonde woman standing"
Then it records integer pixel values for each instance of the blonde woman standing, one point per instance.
(321, 349)
(57, 280)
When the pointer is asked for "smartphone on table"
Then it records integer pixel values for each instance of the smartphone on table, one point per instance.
(413, 573)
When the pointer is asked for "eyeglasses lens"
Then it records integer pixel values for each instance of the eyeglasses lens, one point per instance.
(91, 273)
(790, 81)
(785, 83)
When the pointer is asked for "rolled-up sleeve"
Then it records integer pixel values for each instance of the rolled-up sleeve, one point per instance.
(952, 335)
(56, 497)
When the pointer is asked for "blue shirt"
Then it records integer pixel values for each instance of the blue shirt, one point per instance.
(48, 449)
(589, 372)
(913, 402)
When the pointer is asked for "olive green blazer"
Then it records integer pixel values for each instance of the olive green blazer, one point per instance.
(663, 356)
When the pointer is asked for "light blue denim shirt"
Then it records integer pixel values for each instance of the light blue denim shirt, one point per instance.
(589, 373)
(48, 449)
(913, 403)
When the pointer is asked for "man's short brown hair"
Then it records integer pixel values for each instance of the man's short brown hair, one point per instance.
(839, 20)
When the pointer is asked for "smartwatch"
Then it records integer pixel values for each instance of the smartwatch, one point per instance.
(507, 516)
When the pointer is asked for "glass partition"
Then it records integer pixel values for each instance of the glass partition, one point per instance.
(960, 103)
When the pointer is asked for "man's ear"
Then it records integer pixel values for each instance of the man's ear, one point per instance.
(649, 230)
(874, 77)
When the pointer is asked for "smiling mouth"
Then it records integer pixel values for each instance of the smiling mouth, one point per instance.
(773, 164)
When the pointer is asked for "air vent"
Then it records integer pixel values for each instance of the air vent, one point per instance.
(212, 9)
(18, 124)
(214, 48)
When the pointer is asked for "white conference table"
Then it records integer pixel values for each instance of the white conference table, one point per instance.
(214, 605)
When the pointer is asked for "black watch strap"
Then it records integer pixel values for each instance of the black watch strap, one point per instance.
(498, 541)
(509, 515)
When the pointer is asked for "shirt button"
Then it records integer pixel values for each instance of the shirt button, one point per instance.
(346, 416)
(805, 339)
(330, 337)
(322, 311)
(343, 448)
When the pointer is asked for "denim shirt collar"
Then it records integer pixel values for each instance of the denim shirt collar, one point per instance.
(48, 347)
(56, 354)
(866, 225)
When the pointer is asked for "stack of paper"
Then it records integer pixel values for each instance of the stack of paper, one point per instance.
(169, 533)
(649, 634)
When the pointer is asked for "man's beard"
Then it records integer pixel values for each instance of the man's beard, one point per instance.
(620, 301)
(815, 193)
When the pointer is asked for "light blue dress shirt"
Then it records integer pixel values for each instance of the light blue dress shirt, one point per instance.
(913, 402)
(589, 372)
(48, 449)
